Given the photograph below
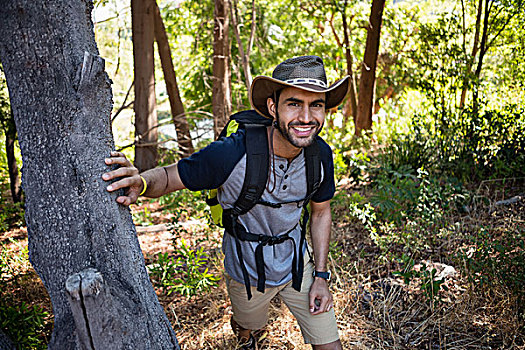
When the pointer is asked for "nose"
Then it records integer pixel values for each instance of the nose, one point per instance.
(305, 116)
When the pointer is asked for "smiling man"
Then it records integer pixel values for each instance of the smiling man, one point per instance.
(264, 247)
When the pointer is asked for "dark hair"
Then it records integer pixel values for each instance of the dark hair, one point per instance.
(275, 96)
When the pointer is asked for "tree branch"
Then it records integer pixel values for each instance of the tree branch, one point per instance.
(244, 56)
(252, 33)
(124, 105)
(337, 40)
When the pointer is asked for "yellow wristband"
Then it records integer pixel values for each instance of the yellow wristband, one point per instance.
(145, 186)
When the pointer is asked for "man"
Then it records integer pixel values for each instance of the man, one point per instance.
(296, 98)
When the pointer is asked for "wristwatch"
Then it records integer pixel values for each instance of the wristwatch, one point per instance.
(326, 275)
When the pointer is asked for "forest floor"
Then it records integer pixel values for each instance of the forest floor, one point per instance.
(374, 307)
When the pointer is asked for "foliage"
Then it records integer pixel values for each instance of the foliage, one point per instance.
(184, 272)
(468, 146)
(24, 324)
(171, 203)
(440, 58)
(11, 214)
(430, 284)
(414, 208)
(486, 145)
(497, 259)
(411, 150)
(192, 200)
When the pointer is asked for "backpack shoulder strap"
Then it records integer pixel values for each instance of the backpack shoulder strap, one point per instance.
(312, 158)
(256, 175)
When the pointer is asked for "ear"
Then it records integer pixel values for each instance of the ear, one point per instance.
(270, 103)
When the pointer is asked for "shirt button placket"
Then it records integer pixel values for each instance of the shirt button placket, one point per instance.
(285, 186)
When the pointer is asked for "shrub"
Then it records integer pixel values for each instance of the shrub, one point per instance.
(184, 272)
(23, 324)
(466, 145)
(498, 261)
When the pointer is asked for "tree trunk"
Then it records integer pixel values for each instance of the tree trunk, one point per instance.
(14, 175)
(61, 101)
(482, 51)
(142, 24)
(352, 94)
(245, 54)
(368, 71)
(221, 94)
(470, 63)
(5, 342)
(177, 108)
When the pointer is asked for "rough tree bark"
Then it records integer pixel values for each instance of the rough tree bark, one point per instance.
(146, 136)
(221, 91)
(177, 108)
(61, 101)
(368, 71)
(5, 342)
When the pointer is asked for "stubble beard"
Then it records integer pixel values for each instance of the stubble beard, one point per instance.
(299, 142)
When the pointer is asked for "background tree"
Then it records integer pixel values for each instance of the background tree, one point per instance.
(368, 69)
(177, 108)
(61, 101)
(221, 94)
(7, 122)
(350, 107)
(244, 51)
(497, 16)
(146, 132)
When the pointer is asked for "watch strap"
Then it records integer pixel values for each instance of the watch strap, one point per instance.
(323, 274)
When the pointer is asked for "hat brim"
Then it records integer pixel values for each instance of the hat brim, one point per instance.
(263, 87)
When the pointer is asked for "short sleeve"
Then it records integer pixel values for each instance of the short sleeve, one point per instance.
(210, 167)
(326, 190)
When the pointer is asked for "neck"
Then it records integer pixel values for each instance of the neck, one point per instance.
(281, 146)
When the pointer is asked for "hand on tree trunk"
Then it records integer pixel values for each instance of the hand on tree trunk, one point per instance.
(130, 179)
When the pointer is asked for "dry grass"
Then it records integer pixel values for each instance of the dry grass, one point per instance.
(374, 310)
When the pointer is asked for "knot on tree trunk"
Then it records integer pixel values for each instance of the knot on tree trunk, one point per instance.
(95, 311)
(86, 283)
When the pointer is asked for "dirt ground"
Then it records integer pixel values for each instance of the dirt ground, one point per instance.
(374, 309)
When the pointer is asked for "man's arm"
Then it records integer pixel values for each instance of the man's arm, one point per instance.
(159, 180)
(321, 222)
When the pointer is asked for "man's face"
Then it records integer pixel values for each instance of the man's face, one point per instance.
(300, 115)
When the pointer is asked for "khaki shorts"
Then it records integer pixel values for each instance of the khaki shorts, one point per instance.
(253, 314)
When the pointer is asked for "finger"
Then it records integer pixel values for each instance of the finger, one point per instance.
(124, 200)
(120, 172)
(133, 196)
(122, 161)
(313, 301)
(323, 305)
(126, 182)
(117, 154)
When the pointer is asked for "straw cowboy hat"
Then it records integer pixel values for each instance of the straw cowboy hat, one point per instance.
(306, 73)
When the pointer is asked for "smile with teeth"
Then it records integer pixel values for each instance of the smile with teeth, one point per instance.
(303, 130)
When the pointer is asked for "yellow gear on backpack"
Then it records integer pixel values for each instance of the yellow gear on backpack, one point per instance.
(215, 206)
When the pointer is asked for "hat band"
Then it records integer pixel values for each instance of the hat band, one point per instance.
(307, 81)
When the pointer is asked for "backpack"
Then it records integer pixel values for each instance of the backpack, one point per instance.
(256, 177)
